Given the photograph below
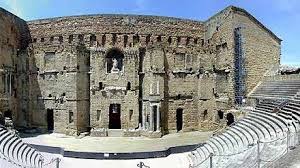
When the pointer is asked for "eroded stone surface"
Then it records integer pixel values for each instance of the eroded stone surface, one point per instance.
(145, 75)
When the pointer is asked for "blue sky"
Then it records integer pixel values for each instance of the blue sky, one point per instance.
(281, 16)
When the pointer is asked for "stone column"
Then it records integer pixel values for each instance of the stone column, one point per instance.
(10, 84)
(5, 83)
(144, 113)
(151, 88)
(157, 88)
(157, 119)
(151, 118)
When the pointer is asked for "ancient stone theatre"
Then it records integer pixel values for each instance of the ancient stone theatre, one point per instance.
(131, 75)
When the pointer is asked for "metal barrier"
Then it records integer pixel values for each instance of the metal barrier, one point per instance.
(255, 155)
(6, 162)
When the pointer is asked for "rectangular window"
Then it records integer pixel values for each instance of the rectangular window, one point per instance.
(180, 60)
(98, 115)
(49, 57)
(130, 114)
(80, 38)
(188, 59)
(70, 38)
(71, 116)
(180, 57)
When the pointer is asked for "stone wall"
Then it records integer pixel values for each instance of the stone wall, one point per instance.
(14, 39)
(262, 49)
(157, 75)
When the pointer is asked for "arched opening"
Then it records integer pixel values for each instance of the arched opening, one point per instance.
(204, 114)
(93, 39)
(128, 86)
(179, 119)
(125, 41)
(170, 40)
(220, 114)
(103, 40)
(115, 116)
(114, 60)
(8, 114)
(136, 39)
(148, 39)
(158, 39)
(100, 86)
(230, 118)
(114, 39)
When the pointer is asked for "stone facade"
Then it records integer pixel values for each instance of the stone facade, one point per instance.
(14, 65)
(140, 75)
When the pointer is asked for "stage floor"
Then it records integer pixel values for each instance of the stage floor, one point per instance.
(117, 144)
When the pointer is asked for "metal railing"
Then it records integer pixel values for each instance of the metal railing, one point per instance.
(6, 162)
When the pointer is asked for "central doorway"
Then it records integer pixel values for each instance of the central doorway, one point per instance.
(115, 116)
(50, 120)
(179, 119)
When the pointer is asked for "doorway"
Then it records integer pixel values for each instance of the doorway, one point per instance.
(230, 119)
(179, 119)
(154, 117)
(50, 120)
(220, 114)
(115, 116)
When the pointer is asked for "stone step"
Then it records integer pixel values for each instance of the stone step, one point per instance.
(228, 141)
(280, 124)
(261, 131)
(219, 147)
(115, 132)
(232, 139)
(250, 138)
(271, 132)
(278, 121)
(252, 131)
(13, 148)
(224, 143)
(241, 135)
(273, 128)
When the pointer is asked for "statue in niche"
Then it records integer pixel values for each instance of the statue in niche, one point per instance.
(114, 65)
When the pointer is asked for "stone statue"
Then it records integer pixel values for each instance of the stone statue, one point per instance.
(114, 65)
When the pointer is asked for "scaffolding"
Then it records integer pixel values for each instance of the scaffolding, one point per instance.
(240, 72)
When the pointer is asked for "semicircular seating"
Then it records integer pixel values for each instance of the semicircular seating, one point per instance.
(270, 120)
(13, 150)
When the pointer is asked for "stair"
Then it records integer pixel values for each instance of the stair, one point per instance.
(115, 132)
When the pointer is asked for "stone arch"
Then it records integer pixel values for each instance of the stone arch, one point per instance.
(230, 119)
(8, 114)
(114, 60)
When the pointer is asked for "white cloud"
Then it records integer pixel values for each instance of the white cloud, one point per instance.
(14, 7)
